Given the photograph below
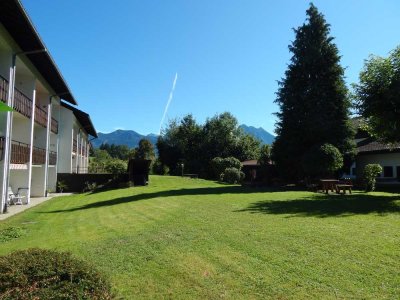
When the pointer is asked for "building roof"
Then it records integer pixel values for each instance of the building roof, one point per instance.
(371, 146)
(252, 162)
(18, 24)
(83, 118)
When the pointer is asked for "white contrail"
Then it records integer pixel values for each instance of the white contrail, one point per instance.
(171, 94)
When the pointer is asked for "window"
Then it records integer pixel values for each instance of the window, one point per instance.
(387, 171)
(353, 171)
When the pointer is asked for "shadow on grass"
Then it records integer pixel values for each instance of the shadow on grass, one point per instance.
(314, 205)
(329, 205)
(173, 193)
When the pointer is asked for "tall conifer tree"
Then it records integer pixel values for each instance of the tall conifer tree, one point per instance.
(313, 98)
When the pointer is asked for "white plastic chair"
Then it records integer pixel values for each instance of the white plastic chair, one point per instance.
(14, 198)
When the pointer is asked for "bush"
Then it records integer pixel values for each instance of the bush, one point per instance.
(232, 175)
(322, 160)
(116, 166)
(46, 274)
(159, 168)
(10, 233)
(89, 186)
(371, 171)
(219, 165)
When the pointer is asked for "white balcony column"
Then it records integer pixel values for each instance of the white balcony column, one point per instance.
(87, 157)
(77, 153)
(46, 166)
(58, 136)
(81, 155)
(30, 163)
(72, 149)
(7, 139)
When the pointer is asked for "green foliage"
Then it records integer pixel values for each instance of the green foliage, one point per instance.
(265, 154)
(116, 166)
(312, 97)
(89, 186)
(11, 233)
(121, 152)
(102, 162)
(46, 274)
(145, 150)
(371, 171)
(197, 234)
(159, 168)
(232, 175)
(195, 145)
(378, 96)
(322, 161)
(61, 186)
(218, 165)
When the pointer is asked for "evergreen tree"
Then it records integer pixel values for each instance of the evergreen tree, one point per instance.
(313, 98)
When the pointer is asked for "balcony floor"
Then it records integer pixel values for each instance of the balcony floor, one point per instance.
(15, 209)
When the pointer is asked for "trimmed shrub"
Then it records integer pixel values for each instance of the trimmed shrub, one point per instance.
(322, 160)
(232, 175)
(46, 274)
(219, 165)
(116, 166)
(371, 171)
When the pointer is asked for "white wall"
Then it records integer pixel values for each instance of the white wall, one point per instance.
(384, 159)
(37, 183)
(65, 141)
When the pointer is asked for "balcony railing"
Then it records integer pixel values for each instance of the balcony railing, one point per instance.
(3, 89)
(2, 143)
(54, 125)
(38, 156)
(41, 116)
(23, 105)
(20, 153)
(74, 146)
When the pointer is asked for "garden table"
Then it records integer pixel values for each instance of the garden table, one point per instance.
(329, 184)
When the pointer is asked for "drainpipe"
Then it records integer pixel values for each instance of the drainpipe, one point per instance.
(8, 137)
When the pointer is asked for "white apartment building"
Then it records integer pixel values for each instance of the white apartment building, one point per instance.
(44, 135)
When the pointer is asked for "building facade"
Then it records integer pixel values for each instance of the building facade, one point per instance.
(42, 135)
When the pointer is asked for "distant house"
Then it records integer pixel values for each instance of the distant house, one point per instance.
(371, 151)
(255, 173)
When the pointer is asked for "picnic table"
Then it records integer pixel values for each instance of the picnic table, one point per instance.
(329, 184)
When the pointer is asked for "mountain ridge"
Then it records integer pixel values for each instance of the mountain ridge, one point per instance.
(131, 138)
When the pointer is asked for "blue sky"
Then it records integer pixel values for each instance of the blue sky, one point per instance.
(120, 57)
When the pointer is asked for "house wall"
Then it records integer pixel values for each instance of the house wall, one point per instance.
(383, 159)
(65, 141)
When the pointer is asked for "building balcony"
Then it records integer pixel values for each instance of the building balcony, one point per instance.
(23, 105)
(75, 146)
(20, 153)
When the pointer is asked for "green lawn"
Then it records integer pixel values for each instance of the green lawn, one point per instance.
(186, 238)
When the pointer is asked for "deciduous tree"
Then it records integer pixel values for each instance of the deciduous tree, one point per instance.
(378, 96)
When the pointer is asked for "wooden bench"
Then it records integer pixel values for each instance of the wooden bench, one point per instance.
(344, 188)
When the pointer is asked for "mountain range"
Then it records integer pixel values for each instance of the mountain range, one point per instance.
(131, 138)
